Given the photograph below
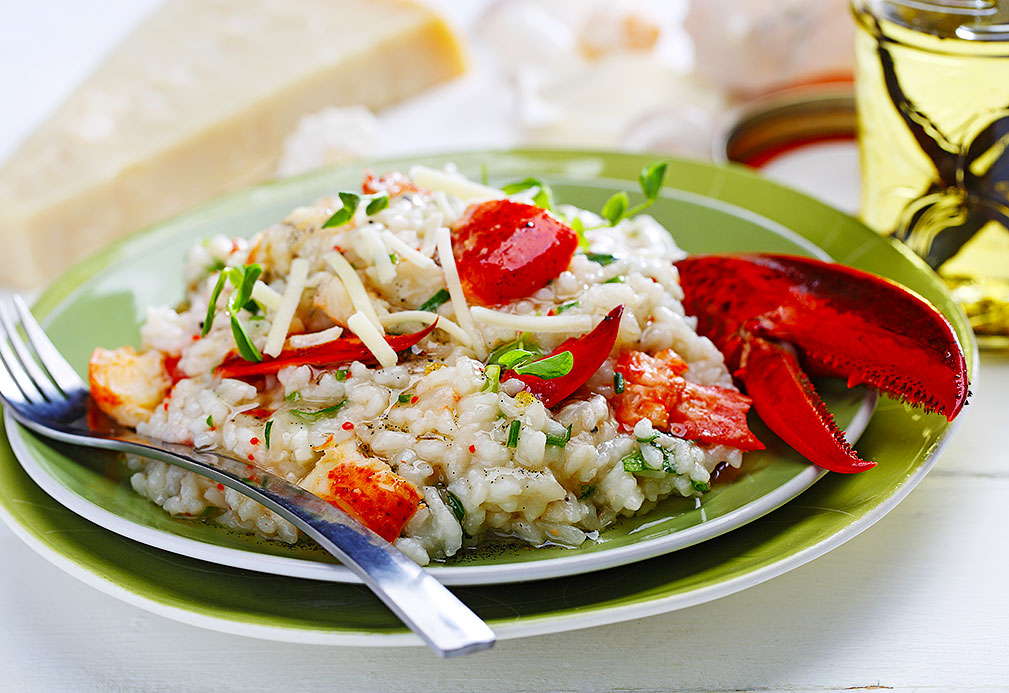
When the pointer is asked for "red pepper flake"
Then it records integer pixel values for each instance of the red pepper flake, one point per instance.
(220, 487)
(414, 399)
(551, 312)
(254, 441)
(472, 448)
(252, 458)
(348, 426)
(166, 405)
(196, 337)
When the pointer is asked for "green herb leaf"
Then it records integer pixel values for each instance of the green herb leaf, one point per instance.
(293, 397)
(246, 349)
(618, 383)
(523, 341)
(493, 378)
(587, 490)
(432, 303)
(579, 228)
(458, 509)
(566, 306)
(319, 413)
(601, 258)
(560, 441)
(615, 208)
(635, 464)
(346, 213)
(404, 398)
(483, 174)
(243, 293)
(212, 306)
(342, 374)
(614, 280)
(393, 258)
(266, 433)
(700, 486)
(651, 177)
(377, 204)
(216, 266)
(544, 197)
(556, 366)
(210, 421)
(513, 433)
(510, 359)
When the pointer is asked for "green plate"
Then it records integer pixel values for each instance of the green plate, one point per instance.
(707, 208)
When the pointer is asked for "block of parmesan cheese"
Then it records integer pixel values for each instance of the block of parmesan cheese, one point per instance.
(196, 102)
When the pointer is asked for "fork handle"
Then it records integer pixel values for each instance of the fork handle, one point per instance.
(447, 625)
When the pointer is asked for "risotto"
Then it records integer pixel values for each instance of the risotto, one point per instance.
(449, 363)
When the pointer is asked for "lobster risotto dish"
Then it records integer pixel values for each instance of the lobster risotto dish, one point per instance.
(447, 362)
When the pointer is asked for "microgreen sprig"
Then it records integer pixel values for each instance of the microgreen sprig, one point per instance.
(346, 212)
(544, 196)
(243, 279)
(650, 179)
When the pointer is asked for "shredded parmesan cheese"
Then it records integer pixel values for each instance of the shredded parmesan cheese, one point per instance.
(384, 270)
(355, 289)
(427, 317)
(464, 189)
(265, 295)
(405, 251)
(533, 323)
(459, 305)
(300, 341)
(288, 305)
(373, 339)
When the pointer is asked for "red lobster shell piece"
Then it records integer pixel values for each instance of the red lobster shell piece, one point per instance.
(768, 312)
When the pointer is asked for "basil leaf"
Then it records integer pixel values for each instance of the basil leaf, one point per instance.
(246, 349)
(587, 490)
(319, 413)
(513, 433)
(212, 306)
(456, 506)
(601, 258)
(556, 366)
(615, 208)
(243, 293)
(346, 213)
(510, 359)
(377, 204)
(432, 303)
(560, 441)
(651, 177)
(266, 433)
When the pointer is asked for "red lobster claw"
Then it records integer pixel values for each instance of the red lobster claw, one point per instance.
(760, 310)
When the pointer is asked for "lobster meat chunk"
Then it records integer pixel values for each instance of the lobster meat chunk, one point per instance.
(770, 315)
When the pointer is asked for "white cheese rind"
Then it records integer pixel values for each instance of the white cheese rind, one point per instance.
(373, 339)
(355, 289)
(532, 323)
(197, 102)
(462, 311)
(285, 312)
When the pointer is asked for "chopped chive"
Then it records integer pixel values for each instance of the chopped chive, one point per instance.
(601, 258)
(635, 464)
(404, 398)
(319, 413)
(614, 280)
(266, 433)
(566, 306)
(393, 258)
(513, 433)
(700, 486)
(587, 490)
(556, 366)
(560, 441)
(432, 303)
(346, 212)
(210, 421)
(618, 383)
(246, 277)
(246, 349)
(342, 374)
(212, 306)
(293, 397)
(377, 204)
(493, 378)
(458, 509)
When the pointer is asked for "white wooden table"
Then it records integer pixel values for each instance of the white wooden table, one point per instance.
(918, 601)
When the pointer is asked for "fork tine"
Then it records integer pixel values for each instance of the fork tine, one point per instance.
(61, 371)
(41, 380)
(17, 371)
(9, 390)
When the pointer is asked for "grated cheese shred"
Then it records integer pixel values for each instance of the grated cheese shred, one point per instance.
(355, 289)
(532, 323)
(288, 305)
(459, 305)
(373, 339)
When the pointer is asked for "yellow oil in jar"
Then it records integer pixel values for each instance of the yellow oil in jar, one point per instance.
(933, 115)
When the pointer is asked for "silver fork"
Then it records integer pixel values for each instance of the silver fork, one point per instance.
(44, 393)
